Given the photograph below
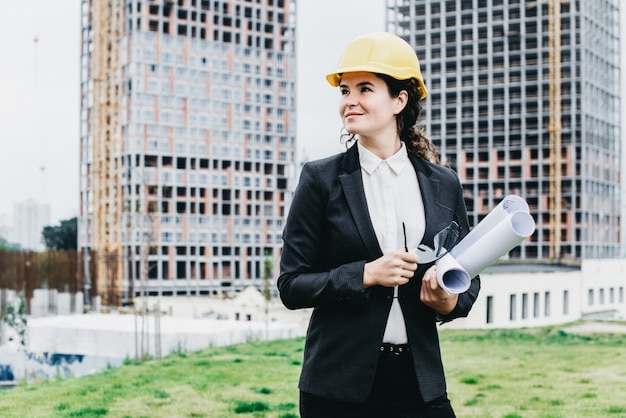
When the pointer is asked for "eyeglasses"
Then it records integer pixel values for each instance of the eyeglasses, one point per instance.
(443, 241)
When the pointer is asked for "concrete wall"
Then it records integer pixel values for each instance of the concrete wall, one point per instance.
(51, 302)
(45, 302)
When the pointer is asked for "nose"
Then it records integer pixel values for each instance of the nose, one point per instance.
(350, 100)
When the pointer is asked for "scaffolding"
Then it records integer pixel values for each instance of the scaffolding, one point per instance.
(108, 24)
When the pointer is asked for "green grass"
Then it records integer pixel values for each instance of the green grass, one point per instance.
(541, 373)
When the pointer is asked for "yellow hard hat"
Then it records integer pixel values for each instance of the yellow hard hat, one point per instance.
(382, 53)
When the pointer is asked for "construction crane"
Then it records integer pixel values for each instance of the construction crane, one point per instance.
(108, 25)
(555, 126)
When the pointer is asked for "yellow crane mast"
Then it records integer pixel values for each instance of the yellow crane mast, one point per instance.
(555, 127)
(108, 27)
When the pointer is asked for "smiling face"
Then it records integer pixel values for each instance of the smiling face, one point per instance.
(367, 109)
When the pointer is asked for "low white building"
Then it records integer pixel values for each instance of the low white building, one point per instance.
(248, 305)
(530, 295)
(512, 296)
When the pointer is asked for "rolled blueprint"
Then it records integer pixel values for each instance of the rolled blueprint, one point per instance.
(510, 204)
(451, 276)
(496, 242)
(504, 228)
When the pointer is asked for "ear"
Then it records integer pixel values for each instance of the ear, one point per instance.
(401, 101)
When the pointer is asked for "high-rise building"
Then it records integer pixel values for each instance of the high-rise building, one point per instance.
(190, 198)
(524, 98)
(29, 219)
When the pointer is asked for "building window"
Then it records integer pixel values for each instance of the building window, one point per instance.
(565, 302)
(524, 305)
(601, 297)
(546, 301)
(489, 318)
(590, 297)
(513, 308)
(536, 305)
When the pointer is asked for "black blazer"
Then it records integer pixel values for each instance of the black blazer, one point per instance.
(328, 238)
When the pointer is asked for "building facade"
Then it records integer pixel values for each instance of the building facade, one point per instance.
(487, 65)
(29, 219)
(207, 115)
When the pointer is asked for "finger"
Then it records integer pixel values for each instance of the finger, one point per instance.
(426, 287)
(407, 273)
(409, 257)
(429, 280)
(411, 266)
(432, 277)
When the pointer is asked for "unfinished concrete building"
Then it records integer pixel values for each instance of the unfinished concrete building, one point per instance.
(187, 144)
(525, 99)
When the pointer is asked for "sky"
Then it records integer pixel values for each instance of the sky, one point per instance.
(40, 93)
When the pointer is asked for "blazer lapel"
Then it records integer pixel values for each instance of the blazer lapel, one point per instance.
(429, 188)
(352, 184)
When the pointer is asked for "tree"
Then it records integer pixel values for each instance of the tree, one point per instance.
(63, 236)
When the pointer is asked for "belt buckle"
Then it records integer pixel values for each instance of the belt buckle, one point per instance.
(394, 349)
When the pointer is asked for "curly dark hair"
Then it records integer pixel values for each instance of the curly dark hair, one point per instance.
(414, 137)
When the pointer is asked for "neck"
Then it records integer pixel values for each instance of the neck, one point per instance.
(383, 149)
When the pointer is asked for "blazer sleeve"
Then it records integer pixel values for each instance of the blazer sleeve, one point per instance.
(307, 279)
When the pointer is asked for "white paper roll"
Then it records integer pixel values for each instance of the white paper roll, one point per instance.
(495, 242)
(510, 204)
(451, 276)
(504, 228)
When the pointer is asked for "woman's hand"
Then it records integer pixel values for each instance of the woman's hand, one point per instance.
(392, 269)
(433, 296)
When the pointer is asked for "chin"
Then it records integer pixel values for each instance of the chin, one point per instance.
(351, 131)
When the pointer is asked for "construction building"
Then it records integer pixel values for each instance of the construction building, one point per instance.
(524, 98)
(187, 144)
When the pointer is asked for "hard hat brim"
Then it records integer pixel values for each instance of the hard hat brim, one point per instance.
(335, 78)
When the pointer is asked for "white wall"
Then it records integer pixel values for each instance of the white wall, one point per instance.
(605, 278)
(604, 286)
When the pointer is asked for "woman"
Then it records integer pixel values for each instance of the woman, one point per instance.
(372, 348)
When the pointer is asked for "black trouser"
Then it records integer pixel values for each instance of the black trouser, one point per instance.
(395, 394)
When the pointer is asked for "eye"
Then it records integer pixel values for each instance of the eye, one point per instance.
(365, 89)
(344, 91)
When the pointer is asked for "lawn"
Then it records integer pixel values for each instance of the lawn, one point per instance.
(539, 372)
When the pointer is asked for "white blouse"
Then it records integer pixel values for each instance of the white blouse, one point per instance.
(393, 197)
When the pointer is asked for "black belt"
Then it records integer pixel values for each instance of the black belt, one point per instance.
(396, 349)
